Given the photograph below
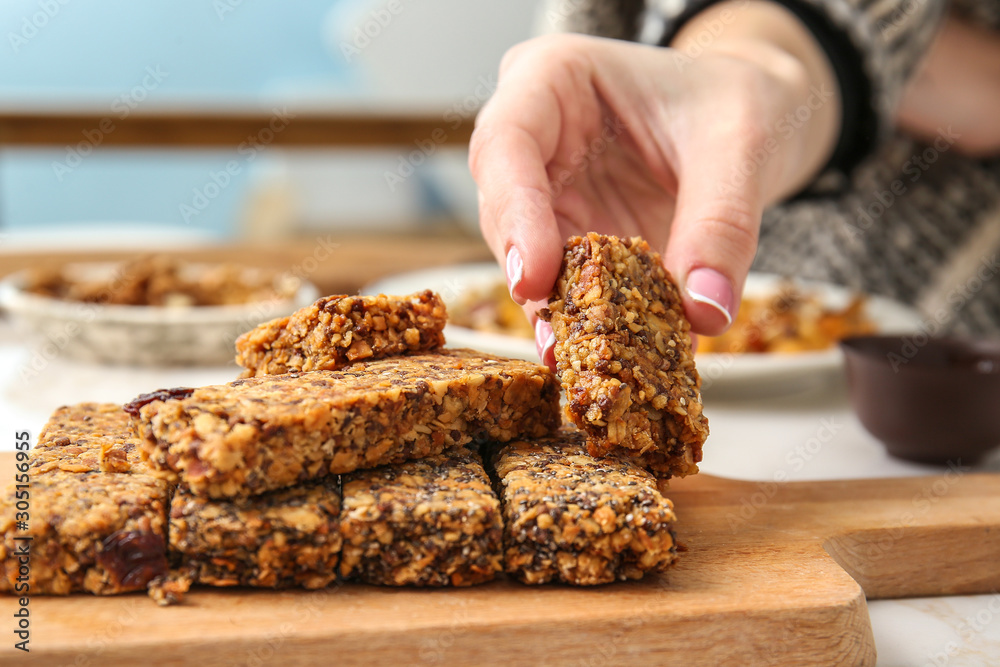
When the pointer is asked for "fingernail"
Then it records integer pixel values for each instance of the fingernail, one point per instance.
(515, 272)
(710, 287)
(545, 342)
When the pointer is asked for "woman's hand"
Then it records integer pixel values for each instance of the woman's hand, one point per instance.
(589, 134)
(956, 90)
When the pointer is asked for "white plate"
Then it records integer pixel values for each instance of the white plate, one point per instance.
(770, 373)
(724, 375)
(452, 283)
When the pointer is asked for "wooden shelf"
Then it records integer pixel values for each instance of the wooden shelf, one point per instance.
(193, 129)
(336, 263)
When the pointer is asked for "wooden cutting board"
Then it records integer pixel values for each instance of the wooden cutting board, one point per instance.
(773, 575)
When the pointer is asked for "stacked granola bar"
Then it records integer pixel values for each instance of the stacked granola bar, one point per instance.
(578, 519)
(339, 330)
(264, 433)
(89, 530)
(266, 452)
(289, 537)
(348, 449)
(431, 522)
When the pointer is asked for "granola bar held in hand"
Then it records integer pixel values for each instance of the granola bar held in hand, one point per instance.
(284, 538)
(259, 434)
(93, 531)
(432, 522)
(339, 330)
(623, 353)
(581, 520)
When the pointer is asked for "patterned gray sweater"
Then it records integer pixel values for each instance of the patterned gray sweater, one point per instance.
(913, 221)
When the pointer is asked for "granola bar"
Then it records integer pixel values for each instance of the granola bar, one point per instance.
(623, 353)
(89, 530)
(87, 437)
(574, 518)
(284, 538)
(103, 533)
(170, 588)
(339, 330)
(432, 522)
(259, 434)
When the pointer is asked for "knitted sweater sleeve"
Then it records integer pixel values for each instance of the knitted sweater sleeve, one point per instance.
(873, 45)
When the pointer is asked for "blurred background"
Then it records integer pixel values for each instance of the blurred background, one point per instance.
(436, 59)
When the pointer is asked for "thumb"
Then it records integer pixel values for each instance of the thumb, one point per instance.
(713, 236)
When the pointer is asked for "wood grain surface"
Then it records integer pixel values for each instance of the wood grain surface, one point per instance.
(766, 579)
(229, 128)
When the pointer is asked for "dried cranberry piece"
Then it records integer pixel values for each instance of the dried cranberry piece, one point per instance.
(133, 406)
(133, 558)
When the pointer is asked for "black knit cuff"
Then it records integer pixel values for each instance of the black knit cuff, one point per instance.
(859, 128)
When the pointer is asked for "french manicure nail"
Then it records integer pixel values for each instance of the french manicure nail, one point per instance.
(515, 272)
(710, 287)
(545, 341)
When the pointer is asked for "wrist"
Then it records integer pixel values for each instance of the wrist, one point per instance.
(804, 121)
(956, 86)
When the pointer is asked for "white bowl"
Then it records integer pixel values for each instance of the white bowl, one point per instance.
(139, 335)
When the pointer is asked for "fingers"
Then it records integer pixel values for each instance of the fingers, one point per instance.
(545, 343)
(516, 137)
(515, 212)
(713, 237)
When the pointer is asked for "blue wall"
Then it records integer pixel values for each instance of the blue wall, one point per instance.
(116, 55)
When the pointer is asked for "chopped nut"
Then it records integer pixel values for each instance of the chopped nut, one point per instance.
(87, 437)
(625, 359)
(285, 538)
(444, 516)
(92, 531)
(170, 589)
(338, 330)
(574, 518)
(264, 433)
